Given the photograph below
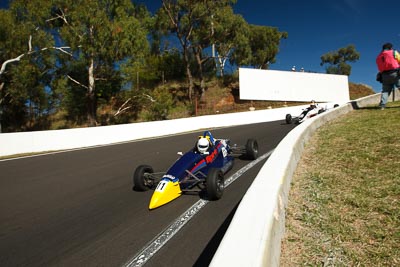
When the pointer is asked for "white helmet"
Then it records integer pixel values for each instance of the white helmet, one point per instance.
(202, 145)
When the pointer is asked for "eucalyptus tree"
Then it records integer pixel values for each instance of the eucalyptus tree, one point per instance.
(192, 23)
(264, 45)
(176, 17)
(98, 33)
(26, 68)
(337, 60)
(208, 14)
(230, 38)
(101, 33)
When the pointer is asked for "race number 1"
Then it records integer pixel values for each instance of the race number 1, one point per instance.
(161, 186)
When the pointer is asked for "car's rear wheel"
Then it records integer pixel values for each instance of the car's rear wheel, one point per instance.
(140, 181)
(288, 118)
(215, 184)
(251, 149)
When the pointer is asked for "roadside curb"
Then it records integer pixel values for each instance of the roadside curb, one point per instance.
(258, 225)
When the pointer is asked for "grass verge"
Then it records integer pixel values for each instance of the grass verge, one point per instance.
(344, 202)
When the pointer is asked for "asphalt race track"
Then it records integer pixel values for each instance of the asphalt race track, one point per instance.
(77, 208)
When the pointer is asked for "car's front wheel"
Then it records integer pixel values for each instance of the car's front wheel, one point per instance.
(215, 184)
(141, 181)
(251, 149)
(288, 118)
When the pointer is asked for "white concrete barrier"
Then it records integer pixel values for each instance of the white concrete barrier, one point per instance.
(277, 85)
(40, 141)
(254, 235)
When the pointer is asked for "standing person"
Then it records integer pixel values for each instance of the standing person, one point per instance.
(388, 62)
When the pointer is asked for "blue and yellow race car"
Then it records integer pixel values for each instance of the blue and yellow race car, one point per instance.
(201, 168)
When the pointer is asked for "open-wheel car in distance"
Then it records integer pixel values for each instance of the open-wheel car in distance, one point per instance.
(311, 111)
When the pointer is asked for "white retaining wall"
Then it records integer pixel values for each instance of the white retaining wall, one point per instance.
(32, 142)
(254, 235)
(257, 84)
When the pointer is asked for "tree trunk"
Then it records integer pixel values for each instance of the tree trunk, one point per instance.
(91, 97)
(189, 74)
(201, 76)
(221, 66)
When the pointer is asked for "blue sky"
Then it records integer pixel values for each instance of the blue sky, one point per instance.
(316, 27)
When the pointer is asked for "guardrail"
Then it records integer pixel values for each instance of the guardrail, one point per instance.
(254, 235)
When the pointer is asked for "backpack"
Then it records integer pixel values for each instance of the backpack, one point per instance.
(386, 60)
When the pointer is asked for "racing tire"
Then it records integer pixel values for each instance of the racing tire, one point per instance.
(140, 183)
(251, 149)
(215, 184)
(288, 119)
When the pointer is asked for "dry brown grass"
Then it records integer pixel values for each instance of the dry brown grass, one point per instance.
(359, 90)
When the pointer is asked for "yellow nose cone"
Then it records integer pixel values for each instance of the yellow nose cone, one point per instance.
(165, 192)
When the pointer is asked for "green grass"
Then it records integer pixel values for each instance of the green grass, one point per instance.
(344, 203)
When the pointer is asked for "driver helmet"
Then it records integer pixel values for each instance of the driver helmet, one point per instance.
(202, 145)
